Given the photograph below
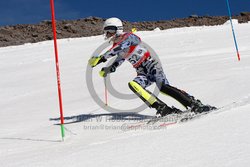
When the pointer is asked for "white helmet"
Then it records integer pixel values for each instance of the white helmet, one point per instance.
(112, 26)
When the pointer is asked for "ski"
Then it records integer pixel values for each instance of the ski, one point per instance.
(168, 120)
(172, 119)
(185, 115)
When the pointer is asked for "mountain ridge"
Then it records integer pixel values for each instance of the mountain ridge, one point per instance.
(91, 26)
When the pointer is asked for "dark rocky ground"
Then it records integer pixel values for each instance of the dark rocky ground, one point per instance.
(31, 33)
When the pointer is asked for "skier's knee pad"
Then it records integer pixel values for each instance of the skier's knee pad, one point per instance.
(145, 95)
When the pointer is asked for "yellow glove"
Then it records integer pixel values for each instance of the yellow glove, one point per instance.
(93, 61)
(106, 70)
(102, 73)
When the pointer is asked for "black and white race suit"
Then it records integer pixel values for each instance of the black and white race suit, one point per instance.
(128, 47)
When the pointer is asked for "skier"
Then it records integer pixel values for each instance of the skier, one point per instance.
(127, 46)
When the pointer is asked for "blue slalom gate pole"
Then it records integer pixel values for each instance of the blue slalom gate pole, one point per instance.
(235, 42)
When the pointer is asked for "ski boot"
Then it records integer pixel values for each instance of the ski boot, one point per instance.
(198, 107)
(163, 110)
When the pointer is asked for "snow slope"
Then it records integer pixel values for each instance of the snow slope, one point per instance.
(200, 60)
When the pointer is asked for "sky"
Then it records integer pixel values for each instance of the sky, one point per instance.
(34, 11)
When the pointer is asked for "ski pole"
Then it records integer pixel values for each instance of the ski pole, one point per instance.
(105, 91)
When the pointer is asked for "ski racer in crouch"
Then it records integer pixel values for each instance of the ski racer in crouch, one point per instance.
(127, 46)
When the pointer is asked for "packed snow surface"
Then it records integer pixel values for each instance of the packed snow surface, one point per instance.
(199, 60)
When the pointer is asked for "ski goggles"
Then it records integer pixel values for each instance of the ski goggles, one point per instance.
(110, 29)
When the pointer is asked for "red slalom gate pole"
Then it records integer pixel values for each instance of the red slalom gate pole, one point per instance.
(57, 67)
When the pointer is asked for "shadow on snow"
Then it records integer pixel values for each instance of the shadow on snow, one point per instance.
(99, 117)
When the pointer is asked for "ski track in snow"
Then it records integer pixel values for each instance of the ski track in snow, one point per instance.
(200, 60)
